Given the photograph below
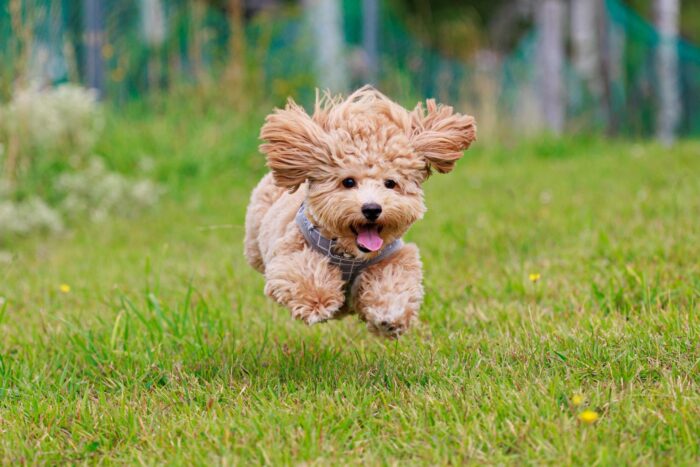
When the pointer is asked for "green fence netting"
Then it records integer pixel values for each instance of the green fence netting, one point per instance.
(280, 53)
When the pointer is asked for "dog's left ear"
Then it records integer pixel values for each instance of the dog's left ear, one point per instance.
(295, 146)
(440, 135)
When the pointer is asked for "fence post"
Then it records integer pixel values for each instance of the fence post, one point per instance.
(549, 17)
(326, 20)
(584, 42)
(669, 114)
(153, 31)
(235, 70)
(93, 26)
(370, 27)
(604, 58)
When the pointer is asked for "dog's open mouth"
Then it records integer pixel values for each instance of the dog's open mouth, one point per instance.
(368, 238)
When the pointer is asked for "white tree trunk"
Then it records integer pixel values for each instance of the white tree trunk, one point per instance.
(93, 25)
(153, 22)
(153, 33)
(325, 19)
(370, 32)
(669, 113)
(585, 43)
(549, 17)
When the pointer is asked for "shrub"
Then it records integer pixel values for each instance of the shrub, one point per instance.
(48, 174)
(95, 192)
(56, 121)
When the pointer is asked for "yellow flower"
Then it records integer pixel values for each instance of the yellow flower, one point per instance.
(64, 288)
(118, 74)
(577, 399)
(588, 416)
(534, 276)
(107, 51)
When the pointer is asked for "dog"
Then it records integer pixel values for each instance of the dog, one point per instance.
(324, 226)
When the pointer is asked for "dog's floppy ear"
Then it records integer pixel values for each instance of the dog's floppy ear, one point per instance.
(440, 135)
(294, 145)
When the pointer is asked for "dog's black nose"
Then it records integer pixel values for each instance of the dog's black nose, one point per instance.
(371, 211)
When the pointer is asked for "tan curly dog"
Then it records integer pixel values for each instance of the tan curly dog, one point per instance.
(325, 225)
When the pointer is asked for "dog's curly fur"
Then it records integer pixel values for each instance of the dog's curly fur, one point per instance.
(370, 139)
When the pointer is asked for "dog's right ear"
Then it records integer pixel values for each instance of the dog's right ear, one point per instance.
(294, 144)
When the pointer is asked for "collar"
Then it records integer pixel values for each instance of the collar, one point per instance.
(349, 266)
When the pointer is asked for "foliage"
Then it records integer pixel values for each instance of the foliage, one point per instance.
(560, 321)
(54, 122)
(28, 216)
(689, 16)
(48, 176)
(95, 193)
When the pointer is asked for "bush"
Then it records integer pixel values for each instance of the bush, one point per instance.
(95, 193)
(56, 121)
(48, 174)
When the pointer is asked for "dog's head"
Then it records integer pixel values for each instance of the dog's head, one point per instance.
(365, 159)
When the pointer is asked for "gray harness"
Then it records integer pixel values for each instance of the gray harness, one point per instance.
(349, 267)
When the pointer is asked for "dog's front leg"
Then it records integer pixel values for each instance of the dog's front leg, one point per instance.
(307, 284)
(388, 295)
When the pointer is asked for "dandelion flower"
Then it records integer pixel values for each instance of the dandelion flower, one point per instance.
(577, 399)
(64, 288)
(588, 416)
(534, 277)
(107, 51)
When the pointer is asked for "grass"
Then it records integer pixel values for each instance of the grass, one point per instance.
(166, 351)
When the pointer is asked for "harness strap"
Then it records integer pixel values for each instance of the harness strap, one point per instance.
(350, 267)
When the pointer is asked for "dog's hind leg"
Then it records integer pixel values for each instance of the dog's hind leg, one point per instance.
(264, 195)
(388, 295)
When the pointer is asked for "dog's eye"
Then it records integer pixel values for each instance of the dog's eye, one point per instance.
(390, 184)
(349, 182)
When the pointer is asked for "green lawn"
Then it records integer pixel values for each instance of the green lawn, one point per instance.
(166, 350)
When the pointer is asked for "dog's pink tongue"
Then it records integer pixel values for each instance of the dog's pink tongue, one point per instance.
(369, 238)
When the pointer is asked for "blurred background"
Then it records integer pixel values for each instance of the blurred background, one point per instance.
(564, 65)
(560, 256)
(70, 68)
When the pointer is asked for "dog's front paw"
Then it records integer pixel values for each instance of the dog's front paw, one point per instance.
(388, 329)
(307, 302)
(389, 325)
(316, 310)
